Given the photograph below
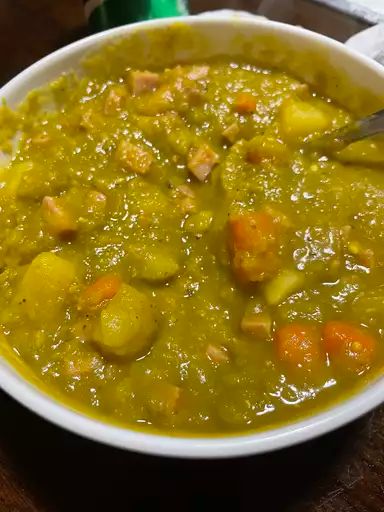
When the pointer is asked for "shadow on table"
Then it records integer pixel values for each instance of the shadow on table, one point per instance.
(71, 474)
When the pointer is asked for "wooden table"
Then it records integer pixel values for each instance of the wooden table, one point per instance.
(44, 469)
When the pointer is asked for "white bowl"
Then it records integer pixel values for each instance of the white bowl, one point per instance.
(342, 70)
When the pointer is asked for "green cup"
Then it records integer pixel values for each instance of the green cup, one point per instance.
(104, 14)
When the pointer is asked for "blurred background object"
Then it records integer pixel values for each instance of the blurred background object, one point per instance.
(371, 11)
(30, 29)
(103, 14)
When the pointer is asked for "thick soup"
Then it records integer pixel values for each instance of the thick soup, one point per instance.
(171, 257)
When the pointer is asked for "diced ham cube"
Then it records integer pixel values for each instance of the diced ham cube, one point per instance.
(198, 72)
(87, 120)
(258, 325)
(96, 200)
(41, 139)
(201, 161)
(80, 366)
(302, 90)
(144, 81)
(59, 220)
(114, 99)
(133, 157)
(367, 258)
(231, 132)
(187, 198)
(187, 205)
(189, 94)
(164, 399)
(217, 354)
(186, 191)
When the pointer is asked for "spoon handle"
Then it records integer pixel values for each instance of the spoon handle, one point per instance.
(336, 140)
(368, 126)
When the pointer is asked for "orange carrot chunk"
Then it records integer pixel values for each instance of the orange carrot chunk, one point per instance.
(245, 103)
(254, 230)
(351, 346)
(253, 245)
(298, 344)
(100, 291)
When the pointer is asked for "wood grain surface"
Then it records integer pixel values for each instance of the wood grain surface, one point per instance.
(44, 469)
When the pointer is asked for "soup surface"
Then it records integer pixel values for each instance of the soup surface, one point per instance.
(172, 258)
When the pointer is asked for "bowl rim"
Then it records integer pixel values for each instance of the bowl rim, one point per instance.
(250, 443)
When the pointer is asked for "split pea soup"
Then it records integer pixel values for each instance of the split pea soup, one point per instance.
(173, 259)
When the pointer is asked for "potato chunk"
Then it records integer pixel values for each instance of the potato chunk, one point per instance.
(262, 148)
(45, 286)
(199, 223)
(186, 199)
(283, 285)
(301, 118)
(127, 324)
(155, 264)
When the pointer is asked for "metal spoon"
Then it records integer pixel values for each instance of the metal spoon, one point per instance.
(338, 139)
